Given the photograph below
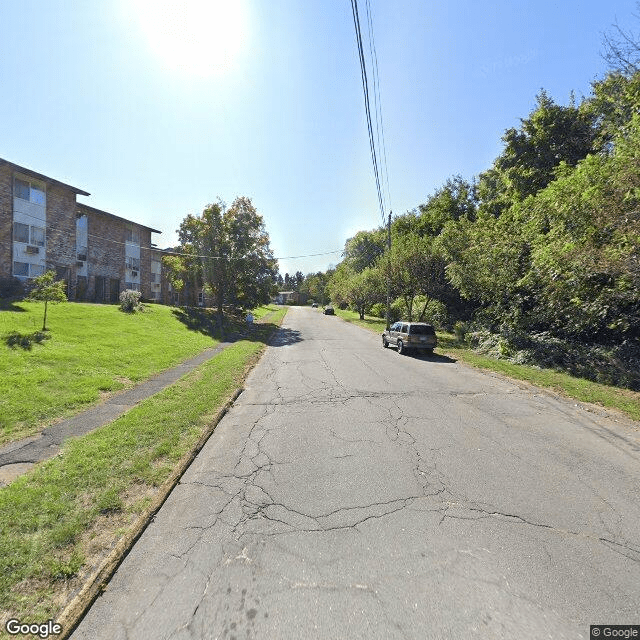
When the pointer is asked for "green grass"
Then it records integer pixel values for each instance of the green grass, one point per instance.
(89, 350)
(578, 388)
(266, 310)
(48, 514)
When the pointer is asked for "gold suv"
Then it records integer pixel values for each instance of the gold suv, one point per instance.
(411, 336)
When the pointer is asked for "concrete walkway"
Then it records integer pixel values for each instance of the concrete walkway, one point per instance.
(18, 457)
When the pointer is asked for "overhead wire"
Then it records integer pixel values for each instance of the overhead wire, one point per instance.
(54, 233)
(367, 105)
(377, 101)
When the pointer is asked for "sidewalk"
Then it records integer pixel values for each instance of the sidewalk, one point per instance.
(18, 457)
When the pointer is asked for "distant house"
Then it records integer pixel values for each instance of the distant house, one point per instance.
(291, 297)
(98, 254)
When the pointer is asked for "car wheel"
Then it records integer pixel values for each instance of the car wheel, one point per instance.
(385, 344)
(428, 352)
(401, 349)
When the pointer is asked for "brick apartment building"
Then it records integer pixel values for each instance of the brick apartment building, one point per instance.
(98, 254)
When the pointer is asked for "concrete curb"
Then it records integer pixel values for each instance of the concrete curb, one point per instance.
(96, 583)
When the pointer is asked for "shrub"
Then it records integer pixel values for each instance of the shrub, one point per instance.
(130, 301)
(460, 329)
(379, 310)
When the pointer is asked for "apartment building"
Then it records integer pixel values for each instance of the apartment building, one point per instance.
(98, 254)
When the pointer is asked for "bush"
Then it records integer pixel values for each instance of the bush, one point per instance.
(460, 329)
(379, 310)
(130, 301)
(617, 365)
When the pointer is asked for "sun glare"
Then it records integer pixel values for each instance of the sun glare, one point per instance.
(202, 37)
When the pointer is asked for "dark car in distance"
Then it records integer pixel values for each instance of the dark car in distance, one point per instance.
(328, 311)
(410, 336)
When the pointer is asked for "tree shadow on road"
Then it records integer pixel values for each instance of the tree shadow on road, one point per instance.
(283, 337)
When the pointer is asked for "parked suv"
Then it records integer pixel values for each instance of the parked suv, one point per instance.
(411, 336)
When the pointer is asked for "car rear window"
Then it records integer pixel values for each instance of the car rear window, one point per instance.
(421, 330)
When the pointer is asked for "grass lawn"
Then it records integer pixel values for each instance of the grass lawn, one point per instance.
(578, 388)
(59, 519)
(88, 351)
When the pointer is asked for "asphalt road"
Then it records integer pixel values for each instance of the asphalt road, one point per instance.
(355, 493)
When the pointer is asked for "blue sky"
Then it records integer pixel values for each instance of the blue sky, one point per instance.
(158, 110)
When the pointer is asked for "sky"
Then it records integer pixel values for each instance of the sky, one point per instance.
(158, 108)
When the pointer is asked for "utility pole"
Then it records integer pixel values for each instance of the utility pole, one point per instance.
(389, 272)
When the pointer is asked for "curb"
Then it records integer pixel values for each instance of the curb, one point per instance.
(97, 582)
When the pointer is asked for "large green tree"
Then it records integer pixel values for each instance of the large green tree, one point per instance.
(229, 247)
(551, 135)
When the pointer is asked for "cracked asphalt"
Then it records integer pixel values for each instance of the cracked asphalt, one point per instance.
(355, 493)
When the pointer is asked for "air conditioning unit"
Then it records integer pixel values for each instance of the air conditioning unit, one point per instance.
(32, 249)
(80, 264)
(81, 256)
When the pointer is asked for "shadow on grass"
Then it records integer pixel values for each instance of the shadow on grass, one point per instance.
(25, 341)
(373, 322)
(7, 304)
(235, 328)
(206, 321)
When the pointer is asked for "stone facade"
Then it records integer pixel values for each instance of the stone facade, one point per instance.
(6, 220)
(97, 253)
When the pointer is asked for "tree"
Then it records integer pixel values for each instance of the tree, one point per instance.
(46, 288)
(176, 271)
(364, 249)
(359, 290)
(552, 134)
(230, 248)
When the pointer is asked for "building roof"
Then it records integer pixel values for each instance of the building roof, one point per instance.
(39, 176)
(112, 215)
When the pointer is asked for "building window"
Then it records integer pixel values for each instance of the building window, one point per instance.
(21, 269)
(132, 235)
(29, 191)
(37, 236)
(20, 232)
(36, 270)
(82, 253)
(200, 299)
(133, 263)
(28, 235)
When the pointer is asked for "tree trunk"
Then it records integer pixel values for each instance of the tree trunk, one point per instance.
(421, 316)
(44, 322)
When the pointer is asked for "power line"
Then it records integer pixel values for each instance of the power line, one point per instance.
(52, 233)
(367, 106)
(377, 101)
